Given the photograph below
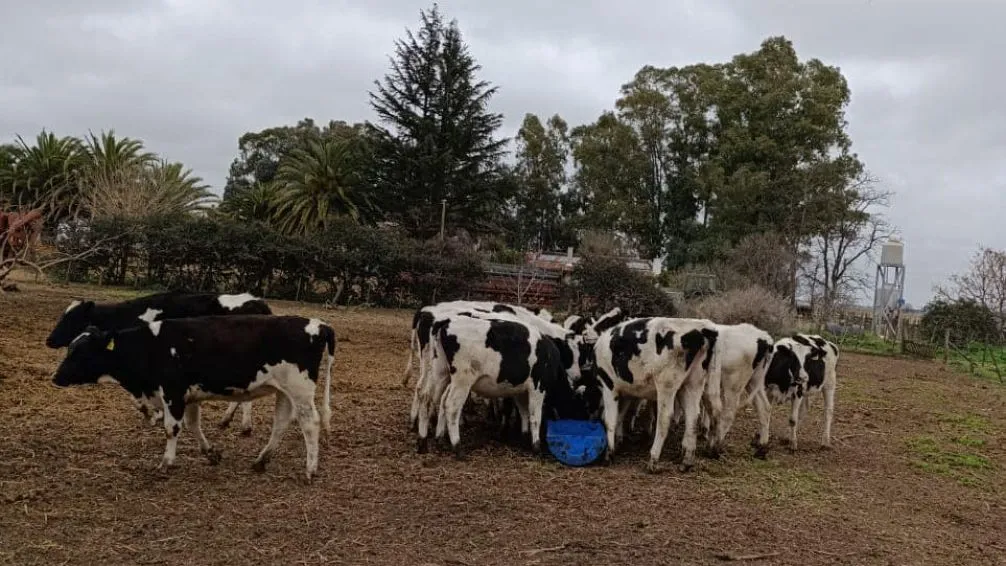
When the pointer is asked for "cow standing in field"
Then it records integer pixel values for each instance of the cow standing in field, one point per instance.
(422, 325)
(744, 352)
(160, 306)
(801, 365)
(658, 359)
(493, 358)
(422, 321)
(171, 366)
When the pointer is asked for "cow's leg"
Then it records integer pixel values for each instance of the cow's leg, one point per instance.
(453, 405)
(420, 383)
(764, 411)
(228, 415)
(246, 418)
(523, 409)
(193, 422)
(281, 418)
(691, 401)
(731, 404)
(665, 409)
(441, 421)
(624, 405)
(310, 425)
(174, 413)
(535, 403)
(610, 417)
(794, 421)
(829, 413)
(408, 363)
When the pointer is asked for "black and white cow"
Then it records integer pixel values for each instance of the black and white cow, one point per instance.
(160, 306)
(803, 364)
(171, 366)
(422, 322)
(657, 359)
(492, 358)
(422, 327)
(744, 352)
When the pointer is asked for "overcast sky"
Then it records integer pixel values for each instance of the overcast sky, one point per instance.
(928, 112)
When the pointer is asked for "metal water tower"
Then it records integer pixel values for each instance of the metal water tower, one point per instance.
(889, 289)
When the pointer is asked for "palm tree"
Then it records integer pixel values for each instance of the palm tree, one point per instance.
(46, 174)
(257, 203)
(319, 181)
(139, 190)
(107, 153)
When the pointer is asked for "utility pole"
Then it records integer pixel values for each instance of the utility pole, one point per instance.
(443, 217)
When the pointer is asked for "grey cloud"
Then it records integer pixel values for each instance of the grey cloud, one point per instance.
(189, 77)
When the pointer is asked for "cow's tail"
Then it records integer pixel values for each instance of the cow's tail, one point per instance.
(328, 336)
(712, 365)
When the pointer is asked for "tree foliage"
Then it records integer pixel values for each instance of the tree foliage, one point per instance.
(967, 320)
(437, 139)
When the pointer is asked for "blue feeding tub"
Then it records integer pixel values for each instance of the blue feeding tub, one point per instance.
(575, 442)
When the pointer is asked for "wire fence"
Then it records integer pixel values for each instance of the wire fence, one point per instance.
(981, 358)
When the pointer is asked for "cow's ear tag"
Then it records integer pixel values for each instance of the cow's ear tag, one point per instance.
(111, 345)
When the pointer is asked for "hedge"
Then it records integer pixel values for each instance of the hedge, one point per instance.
(345, 264)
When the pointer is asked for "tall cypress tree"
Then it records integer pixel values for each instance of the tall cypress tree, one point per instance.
(437, 136)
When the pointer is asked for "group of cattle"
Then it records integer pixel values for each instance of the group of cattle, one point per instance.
(172, 351)
(690, 370)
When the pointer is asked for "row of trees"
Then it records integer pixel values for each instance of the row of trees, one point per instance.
(701, 164)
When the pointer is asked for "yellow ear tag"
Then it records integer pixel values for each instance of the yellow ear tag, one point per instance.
(111, 344)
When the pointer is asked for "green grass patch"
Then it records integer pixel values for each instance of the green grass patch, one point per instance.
(865, 344)
(770, 481)
(954, 457)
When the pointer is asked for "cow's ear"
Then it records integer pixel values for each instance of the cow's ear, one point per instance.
(86, 307)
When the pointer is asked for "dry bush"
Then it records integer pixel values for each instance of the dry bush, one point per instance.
(762, 260)
(754, 305)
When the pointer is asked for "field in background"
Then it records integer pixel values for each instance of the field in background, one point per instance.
(916, 476)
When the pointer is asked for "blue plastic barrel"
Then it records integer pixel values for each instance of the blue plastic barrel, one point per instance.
(575, 442)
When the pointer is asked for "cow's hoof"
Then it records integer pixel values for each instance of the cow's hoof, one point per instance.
(224, 424)
(423, 445)
(686, 467)
(714, 453)
(825, 447)
(246, 432)
(653, 467)
(213, 455)
(761, 452)
(536, 448)
(259, 465)
(459, 454)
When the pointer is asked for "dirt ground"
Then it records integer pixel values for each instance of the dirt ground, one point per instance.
(916, 476)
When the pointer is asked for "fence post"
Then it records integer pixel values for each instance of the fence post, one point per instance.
(946, 345)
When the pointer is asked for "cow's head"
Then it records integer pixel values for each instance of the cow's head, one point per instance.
(71, 325)
(91, 358)
(785, 369)
(88, 359)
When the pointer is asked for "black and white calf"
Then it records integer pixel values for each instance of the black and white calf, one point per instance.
(744, 352)
(801, 365)
(422, 328)
(658, 359)
(171, 366)
(422, 323)
(492, 358)
(160, 306)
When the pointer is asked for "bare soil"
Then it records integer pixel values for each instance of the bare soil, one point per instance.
(916, 476)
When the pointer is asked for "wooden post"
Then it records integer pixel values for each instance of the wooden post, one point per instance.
(946, 346)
